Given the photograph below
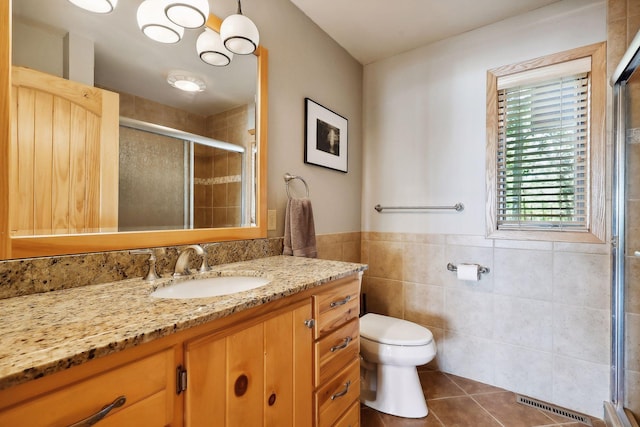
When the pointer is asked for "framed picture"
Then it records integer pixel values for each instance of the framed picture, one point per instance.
(326, 137)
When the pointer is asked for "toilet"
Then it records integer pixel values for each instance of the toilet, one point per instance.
(390, 350)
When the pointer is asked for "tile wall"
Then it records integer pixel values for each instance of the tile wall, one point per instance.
(537, 323)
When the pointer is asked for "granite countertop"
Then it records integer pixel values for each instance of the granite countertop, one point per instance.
(48, 332)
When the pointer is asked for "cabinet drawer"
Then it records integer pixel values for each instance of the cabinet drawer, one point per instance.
(146, 383)
(337, 395)
(336, 350)
(336, 306)
(351, 418)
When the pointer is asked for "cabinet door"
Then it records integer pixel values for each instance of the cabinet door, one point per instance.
(258, 376)
(288, 365)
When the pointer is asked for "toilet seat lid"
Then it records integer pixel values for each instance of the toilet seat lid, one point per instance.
(389, 330)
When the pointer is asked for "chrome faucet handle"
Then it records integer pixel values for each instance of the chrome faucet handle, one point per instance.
(152, 274)
(204, 267)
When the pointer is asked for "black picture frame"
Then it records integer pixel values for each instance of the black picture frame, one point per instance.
(326, 137)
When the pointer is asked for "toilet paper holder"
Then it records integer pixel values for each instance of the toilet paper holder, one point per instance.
(481, 269)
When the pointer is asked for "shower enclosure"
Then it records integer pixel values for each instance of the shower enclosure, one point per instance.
(624, 408)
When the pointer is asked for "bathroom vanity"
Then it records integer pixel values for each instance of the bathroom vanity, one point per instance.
(282, 354)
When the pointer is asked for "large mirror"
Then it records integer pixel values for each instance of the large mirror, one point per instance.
(187, 166)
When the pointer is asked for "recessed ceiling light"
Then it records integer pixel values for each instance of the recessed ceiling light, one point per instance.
(102, 6)
(186, 83)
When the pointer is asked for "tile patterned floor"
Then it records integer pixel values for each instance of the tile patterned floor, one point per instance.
(458, 402)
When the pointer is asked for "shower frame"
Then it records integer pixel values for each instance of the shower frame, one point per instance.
(615, 413)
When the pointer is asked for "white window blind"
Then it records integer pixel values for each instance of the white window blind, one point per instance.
(543, 154)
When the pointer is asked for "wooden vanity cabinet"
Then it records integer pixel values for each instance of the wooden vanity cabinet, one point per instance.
(291, 362)
(336, 353)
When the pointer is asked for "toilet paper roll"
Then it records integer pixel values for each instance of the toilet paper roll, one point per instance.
(469, 272)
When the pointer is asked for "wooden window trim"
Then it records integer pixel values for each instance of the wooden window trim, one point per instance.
(597, 217)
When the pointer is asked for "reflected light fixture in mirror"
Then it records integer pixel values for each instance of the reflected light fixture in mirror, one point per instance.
(187, 13)
(154, 23)
(239, 33)
(211, 49)
(96, 6)
(186, 83)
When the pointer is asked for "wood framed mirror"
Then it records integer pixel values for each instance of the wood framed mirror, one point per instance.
(20, 244)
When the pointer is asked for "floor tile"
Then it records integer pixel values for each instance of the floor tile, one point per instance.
(504, 408)
(473, 387)
(437, 385)
(461, 412)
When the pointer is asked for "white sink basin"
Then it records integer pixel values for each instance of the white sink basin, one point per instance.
(211, 287)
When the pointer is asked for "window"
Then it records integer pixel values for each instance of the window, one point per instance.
(545, 148)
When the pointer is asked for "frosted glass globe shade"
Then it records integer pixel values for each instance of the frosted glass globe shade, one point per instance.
(187, 13)
(211, 50)
(155, 24)
(239, 34)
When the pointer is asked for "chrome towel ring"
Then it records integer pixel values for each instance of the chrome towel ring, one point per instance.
(288, 177)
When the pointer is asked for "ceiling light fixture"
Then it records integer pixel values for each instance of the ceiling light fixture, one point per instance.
(211, 49)
(154, 23)
(96, 6)
(187, 13)
(185, 82)
(239, 33)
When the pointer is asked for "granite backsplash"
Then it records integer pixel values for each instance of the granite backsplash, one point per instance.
(35, 275)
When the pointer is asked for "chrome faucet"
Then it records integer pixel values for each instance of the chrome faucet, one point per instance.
(182, 264)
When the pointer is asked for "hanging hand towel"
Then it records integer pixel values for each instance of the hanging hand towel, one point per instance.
(299, 230)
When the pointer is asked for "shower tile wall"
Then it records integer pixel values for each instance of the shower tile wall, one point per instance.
(220, 175)
(537, 324)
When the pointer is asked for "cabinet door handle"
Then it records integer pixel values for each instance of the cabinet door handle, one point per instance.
(341, 302)
(343, 392)
(345, 343)
(100, 414)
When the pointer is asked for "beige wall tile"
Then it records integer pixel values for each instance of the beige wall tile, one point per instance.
(329, 250)
(468, 356)
(424, 263)
(591, 248)
(527, 370)
(385, 260)
(384, 296)
(469, 313)
(524, 322)
(582, 279)
(462, 240)
(632, 297)
(581, 333)
(632, 397)
(632, 342)
(523, 273)
(351, 251)
(579, 384)
(523, 244)
(424, 305)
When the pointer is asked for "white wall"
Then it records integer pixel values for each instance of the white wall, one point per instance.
(424, 115)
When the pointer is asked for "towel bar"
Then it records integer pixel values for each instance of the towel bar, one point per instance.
(457, 207)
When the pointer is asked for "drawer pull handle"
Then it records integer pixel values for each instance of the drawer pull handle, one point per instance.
(343, 392)
(100, 414)
(341, 302)
(344, 344)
